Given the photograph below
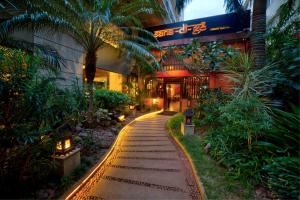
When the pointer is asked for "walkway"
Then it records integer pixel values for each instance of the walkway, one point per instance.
(145, 164)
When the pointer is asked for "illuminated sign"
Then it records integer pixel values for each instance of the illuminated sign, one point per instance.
(195, 28)
(221, 24)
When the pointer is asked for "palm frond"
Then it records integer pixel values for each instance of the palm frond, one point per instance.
(233, 5)
(248, 81)
(181, 4)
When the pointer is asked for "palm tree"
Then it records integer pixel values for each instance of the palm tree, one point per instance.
(48, 54)
(95, 24)
(258, 25)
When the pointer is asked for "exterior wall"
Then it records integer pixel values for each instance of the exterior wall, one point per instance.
(115, 82)
(111, 59)
(73, 55)
(70, 51)
(220, 80)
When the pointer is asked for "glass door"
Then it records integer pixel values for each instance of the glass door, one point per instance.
(173, 97)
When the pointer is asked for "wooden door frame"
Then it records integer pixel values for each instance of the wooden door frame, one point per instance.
(167, 81)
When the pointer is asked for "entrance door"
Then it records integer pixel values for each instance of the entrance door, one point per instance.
(173, 97)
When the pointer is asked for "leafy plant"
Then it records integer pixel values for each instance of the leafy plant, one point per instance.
(31, 107)
(283, 48)
(210, 56)
(248, 81)
(110, 100)
(282, 175)
(96, 24)
(102, 114)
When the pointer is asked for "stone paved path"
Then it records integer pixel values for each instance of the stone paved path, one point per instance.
(145, 164)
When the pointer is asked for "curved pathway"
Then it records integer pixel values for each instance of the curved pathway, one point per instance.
(144, 164)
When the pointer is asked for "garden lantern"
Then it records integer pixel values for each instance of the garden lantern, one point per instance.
(188, 114)
(64, 144)
(121, 118)
(154, 101)
(131, 107)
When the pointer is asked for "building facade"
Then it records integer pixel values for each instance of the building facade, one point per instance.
(176, 86)
(112, 70)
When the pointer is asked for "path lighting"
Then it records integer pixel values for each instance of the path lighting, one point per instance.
(121, 118)
(131, 107)
(65, 142)
(188, 114)
(154, 101)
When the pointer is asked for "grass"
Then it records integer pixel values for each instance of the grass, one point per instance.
(213, 176)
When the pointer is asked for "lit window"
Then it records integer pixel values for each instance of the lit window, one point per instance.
(67, 143)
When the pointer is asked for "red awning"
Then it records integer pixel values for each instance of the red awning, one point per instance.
(174, 73)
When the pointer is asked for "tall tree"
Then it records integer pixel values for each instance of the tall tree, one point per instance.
(95, 24)
(258, 25)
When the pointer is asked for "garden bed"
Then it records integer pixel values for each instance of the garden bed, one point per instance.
(94, 144)
(213, 176)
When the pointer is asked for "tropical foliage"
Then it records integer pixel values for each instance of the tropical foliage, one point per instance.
(283, 47)
(254, 130)
(248, 135)
(111, 100)
(32, 107)
(94, 24)
(208, 57)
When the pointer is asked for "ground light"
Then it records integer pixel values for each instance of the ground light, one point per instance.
(154, 102)
(121, 118)
(131, 107)
(66, 157)
(64, 145)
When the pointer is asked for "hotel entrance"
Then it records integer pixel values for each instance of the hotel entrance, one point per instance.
(173, 97)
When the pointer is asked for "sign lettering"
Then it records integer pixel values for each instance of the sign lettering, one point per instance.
(195, 29)
(221, 24)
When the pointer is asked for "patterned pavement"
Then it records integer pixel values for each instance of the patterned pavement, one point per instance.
(144, 164)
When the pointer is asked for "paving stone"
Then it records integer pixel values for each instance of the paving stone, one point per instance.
(146, 164)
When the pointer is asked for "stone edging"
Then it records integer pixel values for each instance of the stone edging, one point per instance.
(193, 168)
(81, 183)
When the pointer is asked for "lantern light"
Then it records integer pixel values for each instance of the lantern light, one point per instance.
(188, 114)
(154, 101)
(121, 118)
(131, 107)
(64, 145)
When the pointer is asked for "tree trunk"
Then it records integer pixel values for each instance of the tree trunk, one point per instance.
(258, 45)
(90, 70)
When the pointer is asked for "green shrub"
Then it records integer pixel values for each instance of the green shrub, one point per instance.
(31, 106)
(282, 175)
(280, 145)
(241, 122)
(175, 122)
(110, 100)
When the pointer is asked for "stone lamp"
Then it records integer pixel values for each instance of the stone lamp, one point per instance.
(187, 127)
(66, 156)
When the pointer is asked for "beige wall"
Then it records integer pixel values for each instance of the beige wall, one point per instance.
(115, 81)
(70, 51)
(111, 59)
(73, 55)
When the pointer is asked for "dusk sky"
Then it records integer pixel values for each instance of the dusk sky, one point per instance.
(203, 8)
